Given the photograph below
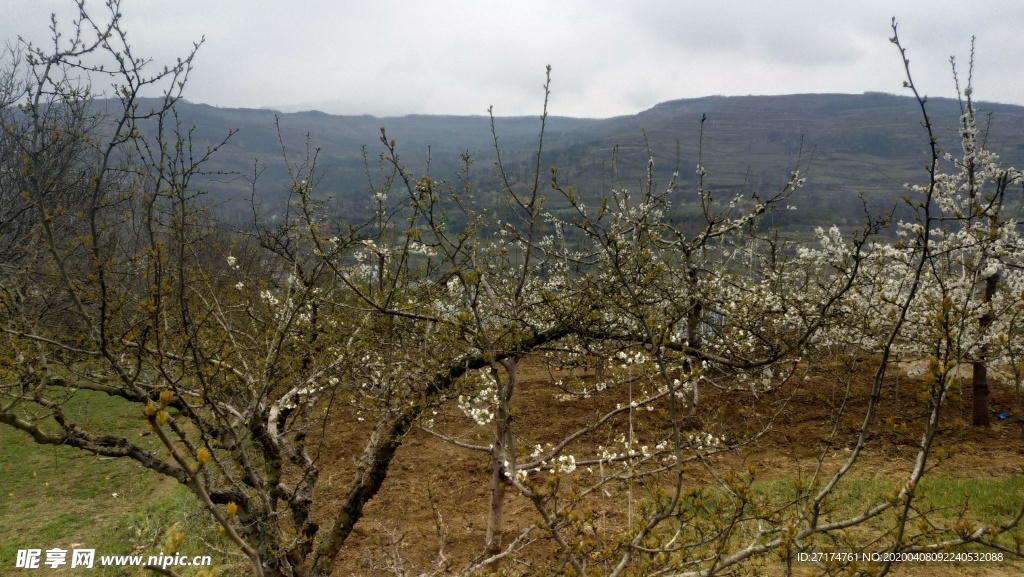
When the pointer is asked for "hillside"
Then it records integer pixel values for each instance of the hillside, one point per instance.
(866, 144)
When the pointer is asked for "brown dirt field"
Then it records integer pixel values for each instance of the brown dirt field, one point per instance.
(430, 480)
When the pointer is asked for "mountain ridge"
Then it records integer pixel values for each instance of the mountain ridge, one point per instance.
(867, 144)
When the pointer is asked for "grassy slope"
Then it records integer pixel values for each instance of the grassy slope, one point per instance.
(59, 497)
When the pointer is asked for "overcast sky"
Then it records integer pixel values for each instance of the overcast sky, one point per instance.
(608, 57)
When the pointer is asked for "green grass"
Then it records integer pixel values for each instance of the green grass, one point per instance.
(60, 497)
(949, 505)
(989, 501)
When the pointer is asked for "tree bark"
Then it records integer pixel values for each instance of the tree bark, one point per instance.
(979, 378)
(384, 442)
(979, 374)
(499, 457)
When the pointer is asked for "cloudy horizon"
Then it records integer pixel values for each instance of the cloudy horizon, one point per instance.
(608, 58)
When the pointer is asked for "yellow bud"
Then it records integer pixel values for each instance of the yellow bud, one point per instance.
(166, 397)
(203, 456)
(162, 417)
(231, 509)
(150, 409)
(175, 539)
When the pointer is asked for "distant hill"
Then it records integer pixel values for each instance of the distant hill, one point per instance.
(866, 144)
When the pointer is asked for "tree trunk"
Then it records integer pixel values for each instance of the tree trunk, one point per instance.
(495, 514)
(384, 442)
(499, 457)
(979, 375)
(694, 334)
(979, 378)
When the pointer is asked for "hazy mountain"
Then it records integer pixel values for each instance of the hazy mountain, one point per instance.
(866, 144)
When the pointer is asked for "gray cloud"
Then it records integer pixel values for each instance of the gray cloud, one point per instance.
(609, 58)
